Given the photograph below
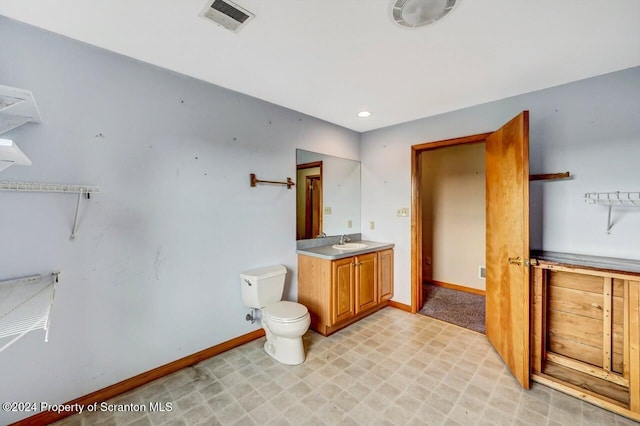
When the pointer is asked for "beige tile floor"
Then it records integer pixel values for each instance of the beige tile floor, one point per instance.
(392, 368)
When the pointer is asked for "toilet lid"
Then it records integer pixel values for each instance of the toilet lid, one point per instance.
(285, 311)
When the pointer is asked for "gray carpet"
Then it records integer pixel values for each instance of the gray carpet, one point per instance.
(456, 307)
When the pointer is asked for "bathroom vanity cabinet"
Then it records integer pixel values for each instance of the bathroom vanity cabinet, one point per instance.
(585, 328)
(338, 292)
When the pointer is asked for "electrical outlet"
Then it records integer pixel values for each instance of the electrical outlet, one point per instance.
(349, 224)
(482, 272)
(327, 210)
(372, 225)
(403, 212)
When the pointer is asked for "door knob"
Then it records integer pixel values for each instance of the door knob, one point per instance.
(515, 261)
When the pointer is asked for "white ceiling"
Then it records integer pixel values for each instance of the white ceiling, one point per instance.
(333, 58)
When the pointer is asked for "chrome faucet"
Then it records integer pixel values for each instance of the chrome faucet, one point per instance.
(322, 235)
(344, 239)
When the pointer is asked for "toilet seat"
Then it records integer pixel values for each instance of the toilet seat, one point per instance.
(285, 312)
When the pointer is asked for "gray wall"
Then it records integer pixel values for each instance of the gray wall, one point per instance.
(154, 273)
(590, 128)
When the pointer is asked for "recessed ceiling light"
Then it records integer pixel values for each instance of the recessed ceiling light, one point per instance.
(364, 114)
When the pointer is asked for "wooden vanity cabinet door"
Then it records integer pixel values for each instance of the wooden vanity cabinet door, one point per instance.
(366, 281)
(342, 290)
(385, 275)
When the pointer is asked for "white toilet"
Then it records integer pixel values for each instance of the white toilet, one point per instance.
(284, 322)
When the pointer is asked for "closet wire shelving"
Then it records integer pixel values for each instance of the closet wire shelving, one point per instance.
(613, 199)
(17, 107)
(25, 305)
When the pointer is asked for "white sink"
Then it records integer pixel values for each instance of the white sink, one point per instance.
(349, 246)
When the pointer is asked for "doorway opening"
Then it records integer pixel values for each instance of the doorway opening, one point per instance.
(452, 190)
(421, 266)
(309, 198)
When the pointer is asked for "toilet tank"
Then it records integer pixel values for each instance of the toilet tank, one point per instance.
(262, 286)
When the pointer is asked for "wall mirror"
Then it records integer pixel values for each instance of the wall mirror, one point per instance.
(328, 195)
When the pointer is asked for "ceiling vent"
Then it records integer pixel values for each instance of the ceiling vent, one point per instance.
(227, 14)
(418, 13)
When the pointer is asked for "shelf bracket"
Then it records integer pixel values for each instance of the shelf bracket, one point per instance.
(75, 218)
(609, 224)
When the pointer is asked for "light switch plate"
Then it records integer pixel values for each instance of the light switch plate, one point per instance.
(372, 225)
(327, 210)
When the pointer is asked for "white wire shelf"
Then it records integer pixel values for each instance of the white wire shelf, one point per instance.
(617, 198)
(63, 188)
(613, 199)
(17, 107)
(25, 305)
(47, 187)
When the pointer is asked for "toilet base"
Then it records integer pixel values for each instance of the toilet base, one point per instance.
(289, 351)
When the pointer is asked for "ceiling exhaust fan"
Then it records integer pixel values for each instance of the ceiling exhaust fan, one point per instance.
(418, 13)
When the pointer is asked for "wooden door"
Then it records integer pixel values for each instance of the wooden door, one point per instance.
(366, 281)
(385, 275)
(342, 290)
(507, 283)
(313, 207)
